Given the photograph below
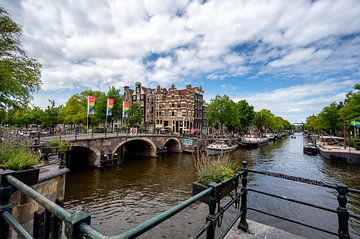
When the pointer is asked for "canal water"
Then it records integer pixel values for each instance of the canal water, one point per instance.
(121, 198)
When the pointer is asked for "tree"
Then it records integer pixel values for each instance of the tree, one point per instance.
(330, 119)
(222, 111)
(114, 93)
(134, 114)
(52, 115)
(263, 120)
(19, 74)
(246, 115)
(351, 109)
(75, 110)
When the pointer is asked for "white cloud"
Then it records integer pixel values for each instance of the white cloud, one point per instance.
(94, 44)
(302, 99)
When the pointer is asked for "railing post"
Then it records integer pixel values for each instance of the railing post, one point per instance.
(342, 212)
(243, 225)
(5, 193)
(210, 233)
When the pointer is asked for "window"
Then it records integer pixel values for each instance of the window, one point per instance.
(172, 97)
(142, 97)
(173, 105)
(166, 114)
(134, 97)
(178, 114)
(173, 113)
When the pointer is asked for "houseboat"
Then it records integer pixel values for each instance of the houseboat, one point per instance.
(220, 146)
(334, 148)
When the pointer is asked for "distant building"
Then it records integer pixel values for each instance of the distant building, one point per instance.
(177, 110)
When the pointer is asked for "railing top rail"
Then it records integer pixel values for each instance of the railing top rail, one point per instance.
(302, 180)
(87, 229)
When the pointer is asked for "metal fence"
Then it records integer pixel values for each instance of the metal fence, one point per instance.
(77, 225)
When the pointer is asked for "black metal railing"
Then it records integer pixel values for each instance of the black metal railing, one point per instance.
(341, 210)
(77, 225)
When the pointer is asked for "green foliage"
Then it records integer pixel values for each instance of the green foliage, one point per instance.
(134, 117)
(246, 115)
(16, 157)
(58, 144)
(330, 119)
(19, 74)
(52, 115)
(114, 93)
(222, 111)
(263, 120)
(336, 117)
(210, 169)
(75, 110)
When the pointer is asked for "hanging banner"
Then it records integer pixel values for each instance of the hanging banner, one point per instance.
(355, 123)
(91, 105)
(125, 109)
(110, 106)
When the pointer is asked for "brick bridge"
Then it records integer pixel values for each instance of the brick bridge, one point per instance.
(89, 150)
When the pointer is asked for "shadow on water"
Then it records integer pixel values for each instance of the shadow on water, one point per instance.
(121, 198)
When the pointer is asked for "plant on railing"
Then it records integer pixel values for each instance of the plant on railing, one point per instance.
(17, 157)
(213, 169)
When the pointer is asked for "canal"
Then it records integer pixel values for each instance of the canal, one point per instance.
(118, 199)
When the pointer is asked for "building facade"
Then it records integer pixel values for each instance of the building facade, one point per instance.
(177, 110)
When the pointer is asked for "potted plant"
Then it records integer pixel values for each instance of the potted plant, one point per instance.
(17, 160)
(212, 170)
(55, 146)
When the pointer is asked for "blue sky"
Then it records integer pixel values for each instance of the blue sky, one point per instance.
(292, 57)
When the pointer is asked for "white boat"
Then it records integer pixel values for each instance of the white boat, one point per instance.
(270, 136)
(220, 146)
(334, 148)
(253, 141)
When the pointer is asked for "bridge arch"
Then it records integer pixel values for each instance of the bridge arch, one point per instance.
(82, 157)
(141, 146)
(173, 145)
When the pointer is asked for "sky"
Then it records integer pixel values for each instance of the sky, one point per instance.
(292, 57)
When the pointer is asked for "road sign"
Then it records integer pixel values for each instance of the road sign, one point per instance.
(133, 131)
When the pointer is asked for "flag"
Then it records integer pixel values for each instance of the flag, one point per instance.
(355, 123)
(91, 105)
(125, 109)
(110, 106)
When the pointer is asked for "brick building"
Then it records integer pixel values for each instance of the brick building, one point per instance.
(171, 108)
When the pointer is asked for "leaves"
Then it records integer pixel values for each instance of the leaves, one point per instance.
(19, 74)
(135, 116)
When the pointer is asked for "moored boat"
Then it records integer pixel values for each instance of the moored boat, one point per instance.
(333, 148)
(270, 136)
(220, 146)
(253, 141)
(310, 149)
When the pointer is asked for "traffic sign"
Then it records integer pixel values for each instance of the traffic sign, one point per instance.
(133, 131)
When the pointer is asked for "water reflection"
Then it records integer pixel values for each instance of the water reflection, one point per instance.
(121, 198)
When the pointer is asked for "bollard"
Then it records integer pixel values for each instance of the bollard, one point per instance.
(342, 212)
(243, 225)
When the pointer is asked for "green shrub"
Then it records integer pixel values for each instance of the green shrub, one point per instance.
(58, 144)
(214, 169)
(17, 157)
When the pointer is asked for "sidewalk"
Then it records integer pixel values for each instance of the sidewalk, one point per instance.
(260, 231)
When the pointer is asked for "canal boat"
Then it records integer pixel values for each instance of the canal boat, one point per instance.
(334, 148)
(310, 149)
(220, 146)
(253, 141)
(270, 136)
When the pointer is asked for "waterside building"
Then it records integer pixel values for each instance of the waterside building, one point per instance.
(179, 110)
